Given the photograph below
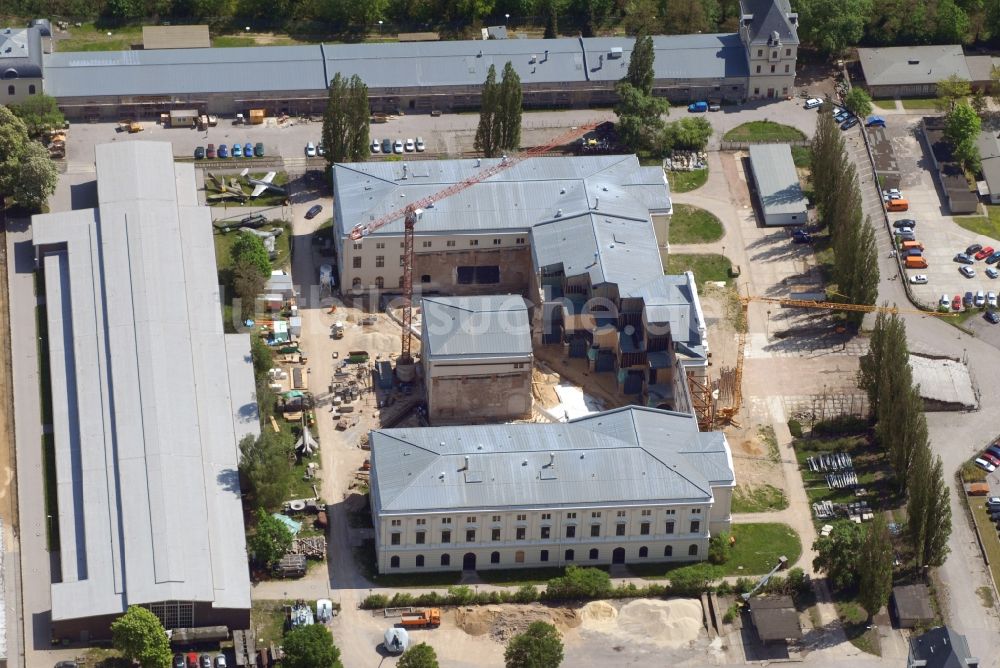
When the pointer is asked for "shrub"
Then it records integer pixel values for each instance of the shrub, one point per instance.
(797, 582)
(795, 427)
(841, 425)
(579, 583)
(692, 580)
(719, 548)
(972, 473)
(730, 614)
(526, 594)
(743, 585)
(724, 588)
(460, 595)
(375, 601)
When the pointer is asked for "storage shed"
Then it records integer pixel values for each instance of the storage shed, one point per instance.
(775, 618)
(183, 118)
(779, 192)
(911, 604)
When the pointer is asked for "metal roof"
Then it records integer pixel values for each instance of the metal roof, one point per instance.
(384, 65)
(489, 326)
(777, 181)
(913, 603)
(769, 16)
(148, 399)
(775, 618)
(21, 53)
(630, 454)
(942, 647)
(907, 65)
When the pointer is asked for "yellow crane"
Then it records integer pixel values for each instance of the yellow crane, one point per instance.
(701, 393)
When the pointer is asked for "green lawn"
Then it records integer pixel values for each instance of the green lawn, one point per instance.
(758, 499)
(758, 547)
(885, 104)
(682, 182)
(988, 225)
(919, 103)
(517, 577)
(869, 465)
(706, 267)
(224, 244)
(224, 41)
(691, 225)
(802, 156)
(855, 621)
(88, 37)
(266, 198)
(763, 131)
(988, 533)
(268, 620)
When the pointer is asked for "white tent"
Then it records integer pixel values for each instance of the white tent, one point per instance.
(396, 640)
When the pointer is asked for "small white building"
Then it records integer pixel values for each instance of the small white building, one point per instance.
(779, 191)
(629, 485)
(477, 359)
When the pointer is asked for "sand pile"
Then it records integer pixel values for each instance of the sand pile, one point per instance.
(503, 621)
(599, 616)
(674, 623)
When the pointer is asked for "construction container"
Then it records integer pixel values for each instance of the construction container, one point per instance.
(183, 118)
(257, 116)
(384, 372)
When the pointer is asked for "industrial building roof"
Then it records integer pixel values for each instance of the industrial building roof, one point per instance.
(769, 17)
(488, 326)
(383, 65)
(942, 648)
(902, 65)
(775, 618)
(21, 53)
(913, 603)
(777, 181)
(618, 456)
(149, 395)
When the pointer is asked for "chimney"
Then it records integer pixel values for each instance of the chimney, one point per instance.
(467, 462)
(404, 171)
(597, 202)
(552, 459)
(478, 161)
(559, 213)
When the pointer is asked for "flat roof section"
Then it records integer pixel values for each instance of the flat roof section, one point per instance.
(489, 326)
(908, 65)
(777, 181)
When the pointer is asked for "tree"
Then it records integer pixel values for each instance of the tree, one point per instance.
(685, 17)
(139, 635)
(719, 548)
(579, 582)
(508, 115)
(640, 120)
(951, 90)
(692, 580)
(928, 511)
(265, 464)
(831, 27)
(875, 566)
(487, 140)
(550, 10)
(858, 102)
(687, 134)
(640, 16)
(346, 120)
(418, 656)
(961, 127)
(249, 249)
(26, 172)
(857, 263)
(978, 102)
(263, 359)
(310, 647)
(837, 554)
(270, 540)
(248, 282)
(538, 647)
(39, 113)
(640, 64)
(888, 334)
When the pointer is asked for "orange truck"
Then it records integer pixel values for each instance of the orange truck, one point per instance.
(421, 619)
(916, 262)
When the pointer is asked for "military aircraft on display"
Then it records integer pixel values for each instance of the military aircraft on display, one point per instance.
(232, 190)
(262, 184)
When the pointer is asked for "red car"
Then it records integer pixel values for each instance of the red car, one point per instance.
(992, 459)
(984, 253)
(956, 303)
(192, 659)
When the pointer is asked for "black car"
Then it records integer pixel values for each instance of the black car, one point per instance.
(849, 123)
(967, 299)
(199, 153)
(992, 317)
(178, 661)
(801, 237)
(387, 146)
(973, 249)
(314, 211)
(904, 222)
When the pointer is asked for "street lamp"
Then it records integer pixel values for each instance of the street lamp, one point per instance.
(506, 20)
(380, 28)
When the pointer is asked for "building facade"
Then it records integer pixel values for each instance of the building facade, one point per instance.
(20, 64)
(631, 485)
(777, 186)
(769, 32)
(477, 359)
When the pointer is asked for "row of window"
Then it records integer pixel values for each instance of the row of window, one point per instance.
(543, 555)
(772, 69)
(11, 90)
(545, 532)
(774, 54)
(449, 243)
(523, 517)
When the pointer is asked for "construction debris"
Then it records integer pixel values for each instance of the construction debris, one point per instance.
(313, 547)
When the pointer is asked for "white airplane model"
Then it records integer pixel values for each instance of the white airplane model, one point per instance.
(260, 185)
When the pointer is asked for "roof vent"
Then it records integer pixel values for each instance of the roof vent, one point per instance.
(597, 202)
(559, 213)
(441, 475)
(524, 462)
(404, 171)
(775, 37)
(467, 462)
(533, 59)
(546, 54)
(480, 54)
(552, 459)
(913, 61)
(562, 191)
(616, 52)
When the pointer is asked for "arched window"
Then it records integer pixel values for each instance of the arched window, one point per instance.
(356, 283)
(446, 560)
(10, 90)
(495, 558)
(594, 553)
(420, 561)
(693, 551)
(394, 562)
(31, 89)
(668, 551)
(643, 552)
(379, 282)
(569, 555)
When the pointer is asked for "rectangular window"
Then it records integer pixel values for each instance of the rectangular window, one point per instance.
(696, 511)
(420, 537)
(470, 536)
(786, 68)
(595, 530)
(670, 527)
(788, 52)
(520, 365)
(421, 522)
(760, 53)
(473, 242)
(496, 518)
(521, 531)
(621, 513)
(546, 516)
(496, 242)
(356, 262)
(597, 514)
(647, 513)
(395, 538)
(758, 69)
(519, 241)
(545, 532)
(571, 516)
(774, 54)
(380, 244)
(470, 520)
(450, 243)
(402, 245)
(522, 518)
(695, 526)
(445, 536)
(397, 523)
(619, 529)
(380, 260)
(756, 91)
(426, 244)
(400, 260)
(445, 520)
(544, 556)
(357, 245)
(772, 69)
(671, 512)
(571, 531)
(644, 529)
(496, 535)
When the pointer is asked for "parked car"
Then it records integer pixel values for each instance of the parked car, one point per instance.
(410, 146)
(698, 107)
(258, 150)
(837, 111)
(223, 151)
(967, 271)
(310, 150)
(387, 146)
(420, 145)
(849, 123)
(376, 146)
(967, 299)
(995, 451)
(842, 116)
(206, 661)
(918, 279)
(984, 253)
(992, 459)
(973, 249)
(248, 150)
(192, 659)
(397, 146)
(210, 152)
(993, 258)
(875, 122)
(956, 303)
(237, 150)
(993, 501)
(220, 661)
(904, 222)
(991, 299)
(800, 236)
(314, 211)
(813, 102)
(320, 149)
(992, 317)
(980, 299)
(906, 234)
(715, 107)
(985, 465)
(944, 302)
(199, 153)
(992, 273)
(178, 661)
(962, 258)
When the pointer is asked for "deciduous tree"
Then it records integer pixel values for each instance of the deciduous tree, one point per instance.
(687, 134)
(139, 635)
(837, 554)
(346, 120)
(310, 647)
(26, 172)
(249, 249)
(418, 656)
(640, 64)
(858, 102)
(951, 91)
(270, 540)
(538, 647)
(875, 566)
(265, 463)
(39, 113)
(962, 126)
(928, 511)
(833, 26)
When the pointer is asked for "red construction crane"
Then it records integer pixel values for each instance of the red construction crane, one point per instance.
(412, 211)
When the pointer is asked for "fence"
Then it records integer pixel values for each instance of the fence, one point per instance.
(726, 145)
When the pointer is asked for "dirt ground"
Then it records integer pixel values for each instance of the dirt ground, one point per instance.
(501, 622)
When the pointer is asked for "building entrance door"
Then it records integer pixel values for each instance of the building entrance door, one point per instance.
(469, 562)
(618, 556)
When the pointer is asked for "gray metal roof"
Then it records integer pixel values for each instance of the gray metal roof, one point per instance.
(384, 65)
(147, 395)
(769, 16)
(630, 454)
(21, 53)
(775, 618)
(777, 181)
(902, 65)
(941, 647)
(489, 326)
(913, 602)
